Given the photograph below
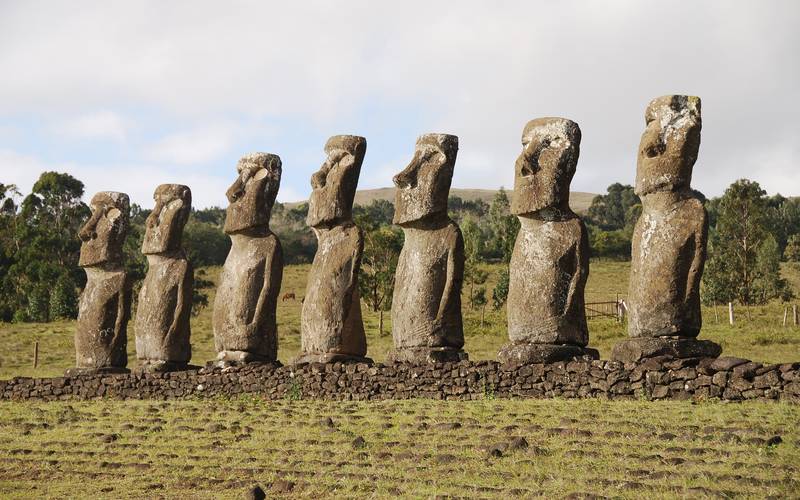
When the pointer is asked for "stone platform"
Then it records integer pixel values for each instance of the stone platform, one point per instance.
(725, 378)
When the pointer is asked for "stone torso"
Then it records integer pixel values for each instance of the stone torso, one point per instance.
(101, 336)
(247, 296)
(331, 318)
(162, 315)
(667, 264)
(426, 306)
(548, 272)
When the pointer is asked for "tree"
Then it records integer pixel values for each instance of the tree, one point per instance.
(792, 251)
(743, 257)
(500, 292)
(503, 225)
(48, 245)
(382, 247)
(613, 210)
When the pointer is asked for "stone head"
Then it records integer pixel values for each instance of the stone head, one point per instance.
(423, 187)
(669, 144)
(544, 170)
(253, 193)
(334, 184)
(104, 233)
(164, 225)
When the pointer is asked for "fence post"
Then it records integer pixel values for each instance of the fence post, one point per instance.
(730, 312)
(794, 312)
(785, 314)
(36, 354)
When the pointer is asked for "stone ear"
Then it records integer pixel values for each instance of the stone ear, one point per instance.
(113, 214)
(174, 205)
(260, 174)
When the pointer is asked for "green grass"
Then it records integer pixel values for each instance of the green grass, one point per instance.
(219, 448)
(757, 334)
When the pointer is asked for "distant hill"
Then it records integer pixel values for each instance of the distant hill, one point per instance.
(578, 201)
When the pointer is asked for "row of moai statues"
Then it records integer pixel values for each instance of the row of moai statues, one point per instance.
(548, 269)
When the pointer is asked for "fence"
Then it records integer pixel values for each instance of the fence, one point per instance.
(615, 309)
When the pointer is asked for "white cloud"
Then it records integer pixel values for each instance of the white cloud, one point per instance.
(199, 146)
(137, 180)
(476, 69)
(96, 125)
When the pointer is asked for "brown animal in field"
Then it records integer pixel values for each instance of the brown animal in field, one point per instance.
(288, 296)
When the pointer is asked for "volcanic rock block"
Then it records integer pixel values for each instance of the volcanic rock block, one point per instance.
(669, 240)
(331, 328)
(550, 262)
(426, 305)
(245, 326)
(165, 300)
(101, 336)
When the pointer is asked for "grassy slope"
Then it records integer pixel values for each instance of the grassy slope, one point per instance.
(760, 338)
(579, 201)
(418, 449)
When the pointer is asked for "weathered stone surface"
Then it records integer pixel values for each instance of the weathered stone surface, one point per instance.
(331, 328)
(525, 353)
(636, 349)
(727, 363)
(101, 336)
(462, 380)
(550, 262)
(245, 326)
(426, 304)
(669, 240)
(165, 300)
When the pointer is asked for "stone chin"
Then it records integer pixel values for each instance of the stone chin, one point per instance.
(653, 176)
(241, 216)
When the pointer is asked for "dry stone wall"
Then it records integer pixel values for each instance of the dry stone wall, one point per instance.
(726, 378)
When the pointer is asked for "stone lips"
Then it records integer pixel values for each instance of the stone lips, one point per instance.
(654, 378)
(244, 318)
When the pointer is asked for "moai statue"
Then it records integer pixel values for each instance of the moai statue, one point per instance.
(245, 327)
(330, 325)
(101, 337)
(669, 240)
(550, 262)
(426, 306)
(165, 301)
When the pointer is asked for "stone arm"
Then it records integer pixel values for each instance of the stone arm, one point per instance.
(122, 313)
(698, 259)
(183, 307)
(352, 283)
(580, 273)
(455, 275)
(273, 275)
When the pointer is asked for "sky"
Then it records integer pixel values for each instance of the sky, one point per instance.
(128, 95)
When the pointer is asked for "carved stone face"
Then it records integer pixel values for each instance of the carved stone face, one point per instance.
(253, 193)
(104, 233)
(544, 170)
(334, 184)
(669, 144)
(164, 225)
(424, 185)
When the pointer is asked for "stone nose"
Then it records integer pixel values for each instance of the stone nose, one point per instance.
(408, 177)
(235, 191)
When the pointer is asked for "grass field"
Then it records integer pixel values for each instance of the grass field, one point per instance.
(760, 337)
(421, 448)
(220, 448)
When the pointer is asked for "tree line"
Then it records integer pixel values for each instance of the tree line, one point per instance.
(750, 233)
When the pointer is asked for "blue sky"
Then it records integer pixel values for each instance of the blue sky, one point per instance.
(126, 96)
